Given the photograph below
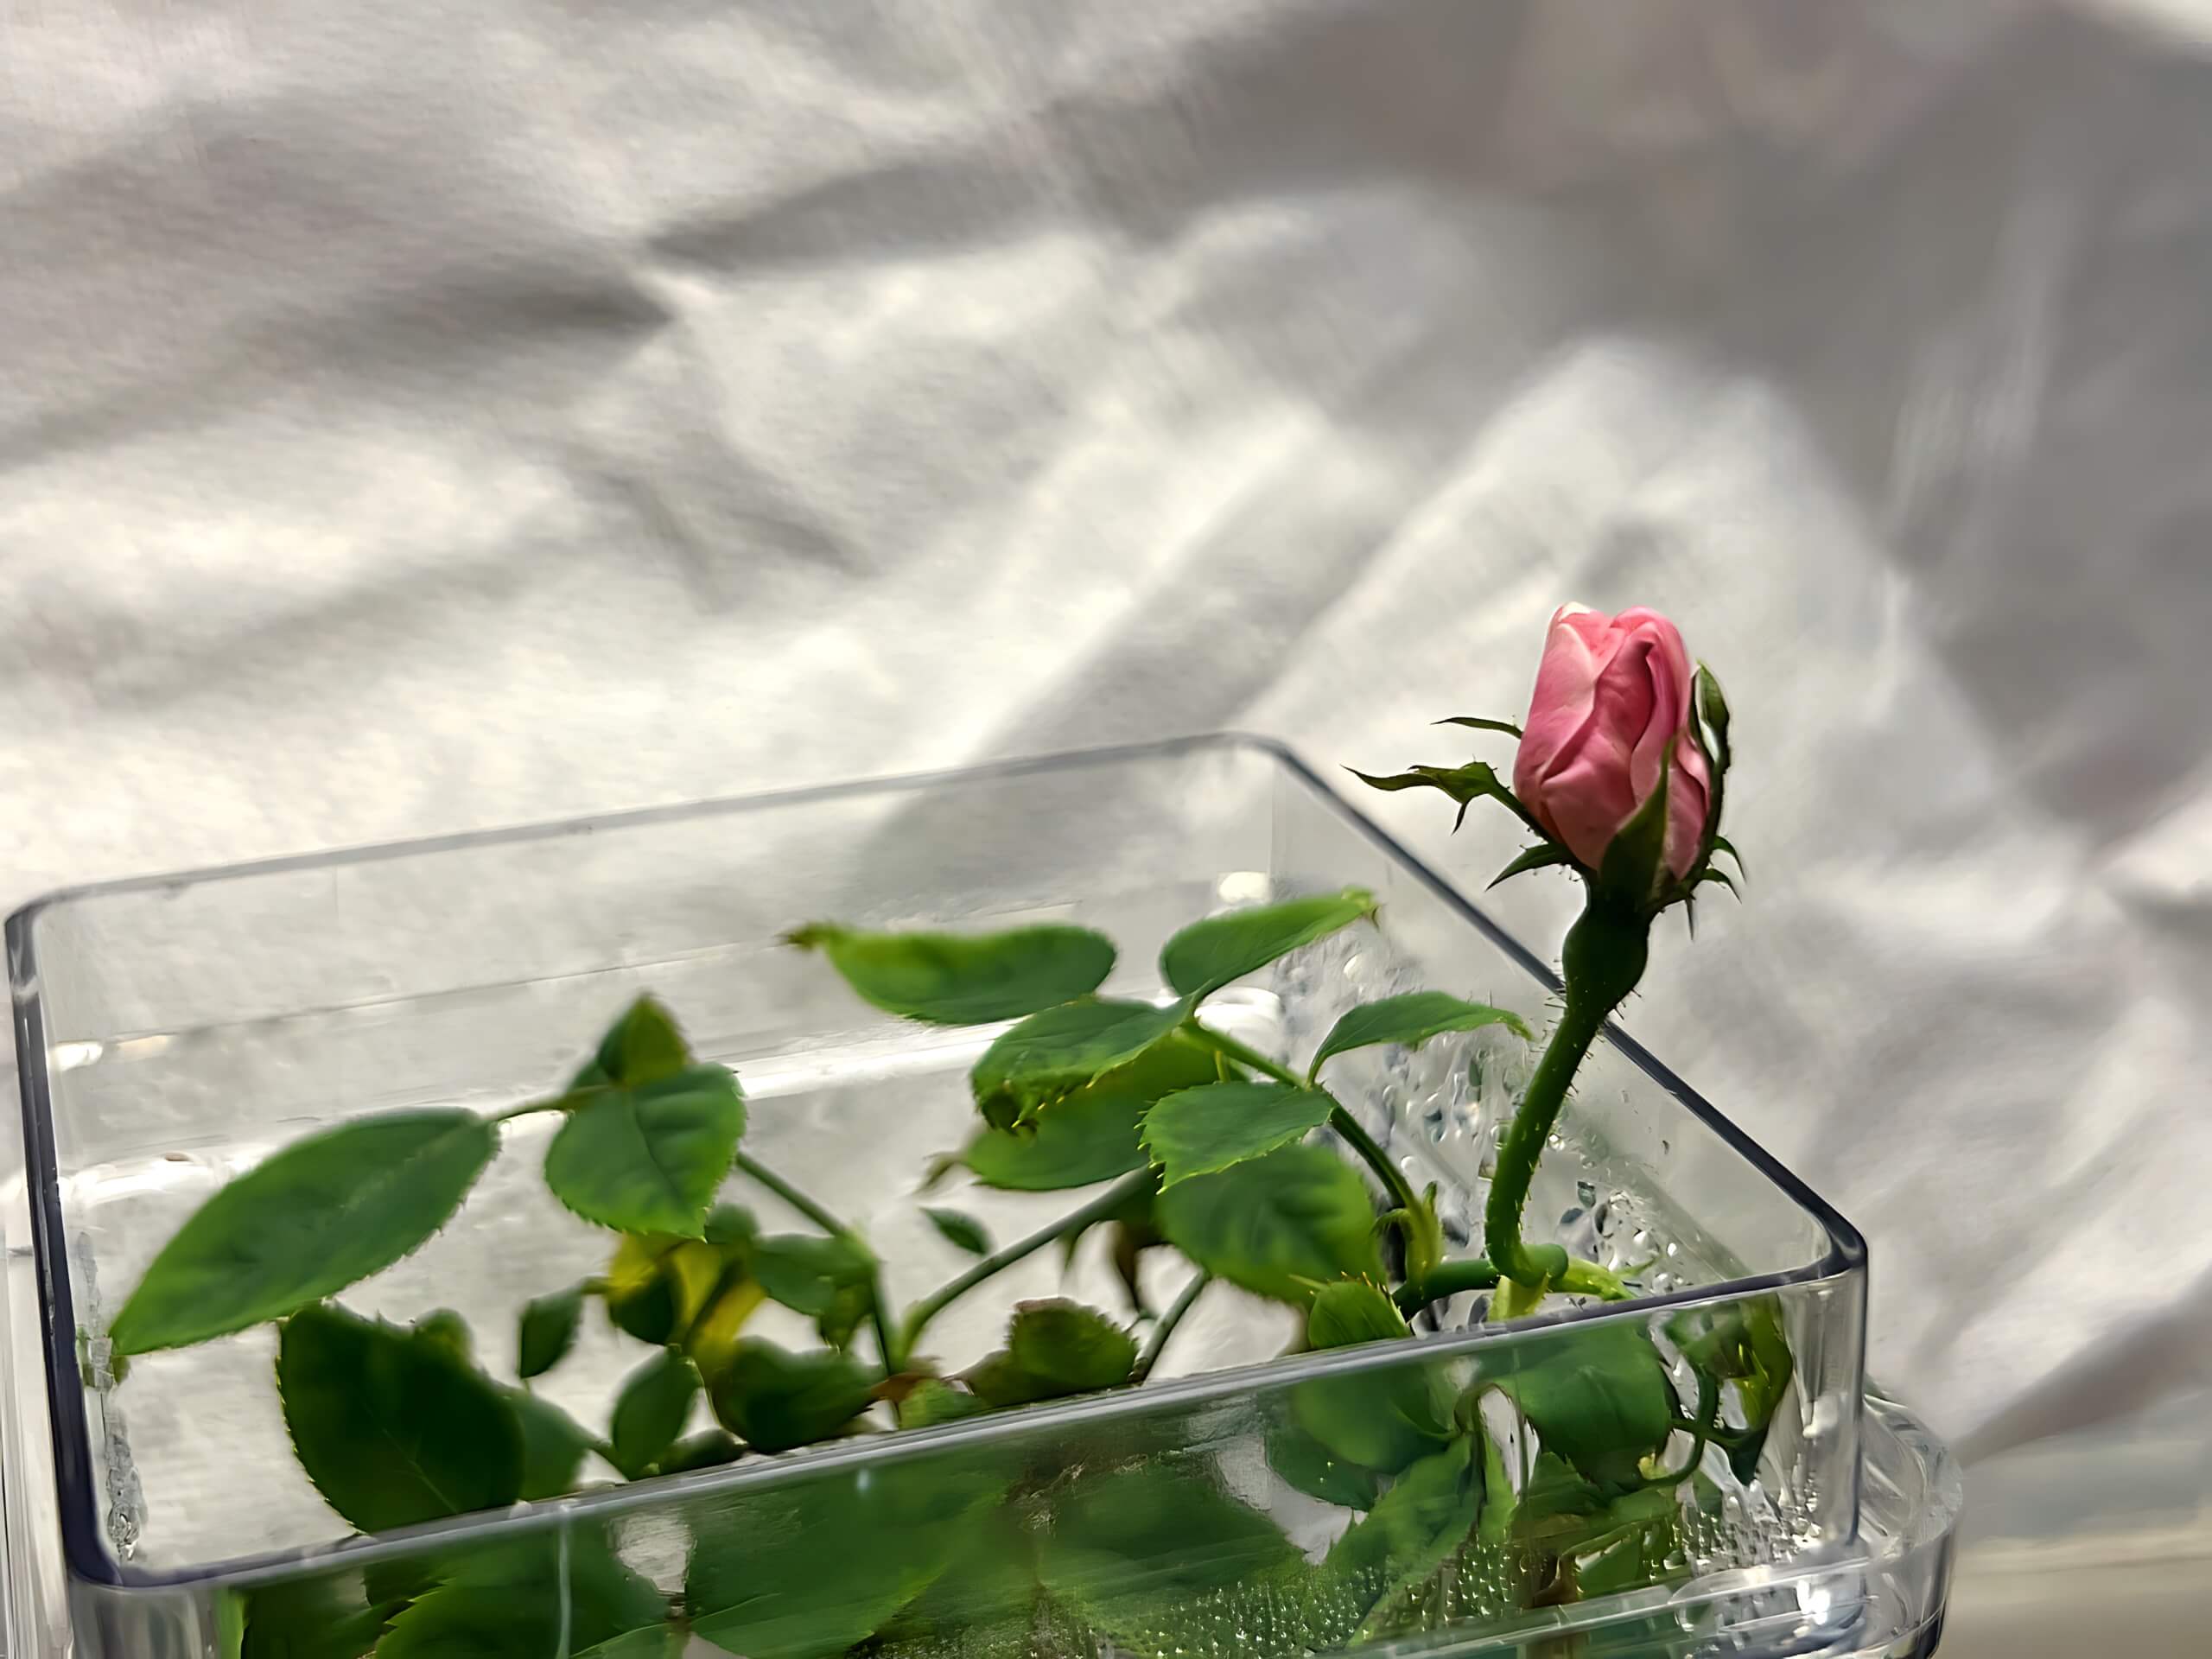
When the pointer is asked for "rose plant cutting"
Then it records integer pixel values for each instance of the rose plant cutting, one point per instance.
(1546, 1479)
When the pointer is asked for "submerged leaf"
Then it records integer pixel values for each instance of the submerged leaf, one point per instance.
(1125, 1542)
(566, 1593)
(1600, 1397)
(1309, 1466)
(1742, 1344)
(1430, 1512)
(1381, 1418)
(810, 1572)
(322, 1617)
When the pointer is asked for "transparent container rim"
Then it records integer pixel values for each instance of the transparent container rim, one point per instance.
(88, 1557)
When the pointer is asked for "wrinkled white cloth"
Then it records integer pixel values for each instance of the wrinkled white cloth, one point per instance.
(417, 417)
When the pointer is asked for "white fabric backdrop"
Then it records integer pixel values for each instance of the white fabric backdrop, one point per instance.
(418, 416)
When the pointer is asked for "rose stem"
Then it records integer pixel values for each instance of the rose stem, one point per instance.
(894, 1358)
(1165, 1328)
(1098, 1208)
(1603, 957)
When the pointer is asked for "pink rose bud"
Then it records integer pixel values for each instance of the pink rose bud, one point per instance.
(1612, 693)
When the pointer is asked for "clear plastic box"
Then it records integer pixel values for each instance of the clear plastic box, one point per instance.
(172, 1032)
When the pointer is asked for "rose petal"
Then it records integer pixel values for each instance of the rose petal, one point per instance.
(1577, 648)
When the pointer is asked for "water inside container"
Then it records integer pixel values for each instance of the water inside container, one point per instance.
(192, 1460)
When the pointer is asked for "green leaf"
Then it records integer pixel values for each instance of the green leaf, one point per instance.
(1411, 1019)
(649, 1159)
(710, 1448)
(1381, 1420)
(1645, 1530)
(1383, 1417)
(1054, 1349)
(1713, 873)
(1208, 955)
(933, 1400)
(553, 1446)
(1088, 1137)
(807, 1272)
(531, 1599)
(808, 1571)
(1534, 858)
(656, 1285)
(1309, 1466)
(1280, 1226)
(961, 1231)
(392, 1429)
(1743, 1343)
(1482, 725)
(1713, 709)
(448, 1329)
(831, 1279)
(643, 1046)
(1722, 844)
(1352, 1312)
(1091, 1135)
(1500, 1501)
(1430, 1512)
(1636, 858)
(986, 1605)
(1554, 1491)
(1599, 1397)
(1465, 785)
(650, 1411)
(313, 1219)
(1052, 1054)
(837, 1325)
(1135, 1535)
(711, 1339)
(965, 979)
(731, 1229)
(321, 1618)
(549, 1330)
(774, 1400)
(1201, 1130)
